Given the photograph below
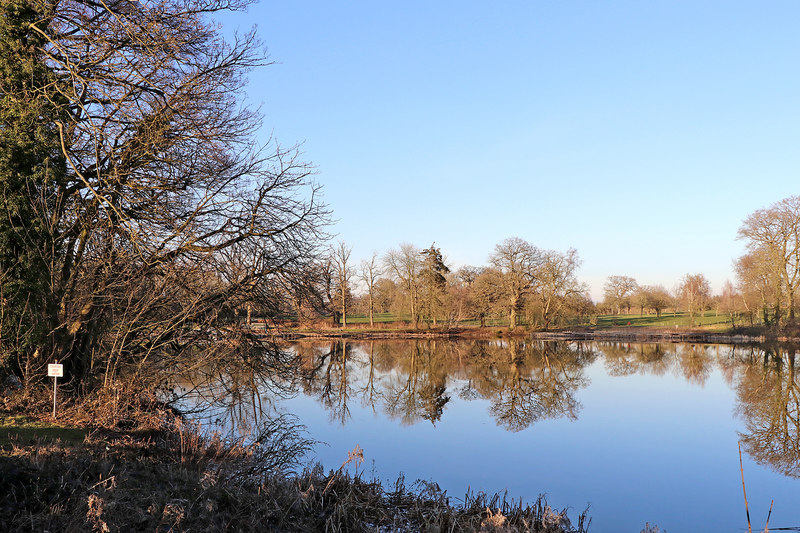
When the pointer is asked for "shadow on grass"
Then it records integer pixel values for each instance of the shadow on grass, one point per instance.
(21, 429)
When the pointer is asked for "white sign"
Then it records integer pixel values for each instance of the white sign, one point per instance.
(55, 371)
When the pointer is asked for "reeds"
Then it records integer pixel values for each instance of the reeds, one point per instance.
(747, 507)
(113, 484)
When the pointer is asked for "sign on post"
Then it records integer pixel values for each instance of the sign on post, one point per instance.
(55, 371)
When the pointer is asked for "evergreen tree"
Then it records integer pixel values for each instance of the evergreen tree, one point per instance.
(30, 165)
(434, 282)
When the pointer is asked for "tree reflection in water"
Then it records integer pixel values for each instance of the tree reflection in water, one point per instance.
(524, 382)
(529, 381)
(769, 405)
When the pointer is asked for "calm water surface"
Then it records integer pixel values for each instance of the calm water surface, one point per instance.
(637, 432)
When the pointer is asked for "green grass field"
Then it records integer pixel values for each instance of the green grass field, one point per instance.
(710, 320)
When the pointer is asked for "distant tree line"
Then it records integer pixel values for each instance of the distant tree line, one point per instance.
(623, 294)
(766, 285)
(521, 284)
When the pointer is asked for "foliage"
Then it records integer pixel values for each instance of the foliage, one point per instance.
(433, 282)
(30, 166)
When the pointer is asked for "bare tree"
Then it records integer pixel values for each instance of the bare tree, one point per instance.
(618, 291)
(695, 292)
(655, 297)
(760, 285)
(164, 216)
(487, 295)
(343, 271)
(517, 261)
(730, 301)
(369, 274)
(775, 231)
(405, 264)
(557, 283)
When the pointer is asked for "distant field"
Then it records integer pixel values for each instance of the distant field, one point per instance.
(388, 318)
(383, 318)
(709, 321)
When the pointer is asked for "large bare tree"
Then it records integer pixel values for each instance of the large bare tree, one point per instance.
(775, 233)
(558, 283)
(695, 293)
(517, 261)
(160, 214)
(760, 284)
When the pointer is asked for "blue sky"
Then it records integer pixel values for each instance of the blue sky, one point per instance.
(639, 133)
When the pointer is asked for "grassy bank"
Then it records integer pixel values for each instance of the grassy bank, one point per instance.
(668, 327)
(710, 320)
(76, 476)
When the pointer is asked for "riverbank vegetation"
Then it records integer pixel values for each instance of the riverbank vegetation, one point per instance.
(159, 474)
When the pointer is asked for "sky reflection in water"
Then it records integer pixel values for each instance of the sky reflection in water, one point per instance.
(642, 433)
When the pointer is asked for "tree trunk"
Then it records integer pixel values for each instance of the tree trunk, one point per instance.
(344, 306)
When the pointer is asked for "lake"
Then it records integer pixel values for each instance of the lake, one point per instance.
(640, 433)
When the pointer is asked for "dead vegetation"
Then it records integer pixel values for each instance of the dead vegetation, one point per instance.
(173, 478)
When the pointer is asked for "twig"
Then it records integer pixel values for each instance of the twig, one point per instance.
(355, 455)
(746, 508)
(766, 527)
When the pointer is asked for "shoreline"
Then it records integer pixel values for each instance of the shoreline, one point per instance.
(569, 335)
(171, 477)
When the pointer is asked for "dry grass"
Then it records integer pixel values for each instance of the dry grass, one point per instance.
(140, 468)
(126, 487)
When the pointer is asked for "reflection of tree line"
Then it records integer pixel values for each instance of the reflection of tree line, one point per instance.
(692, 361)
(235, 398)
(410, 380)
(526, 382)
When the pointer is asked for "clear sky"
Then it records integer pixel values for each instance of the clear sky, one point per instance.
(639, 133)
